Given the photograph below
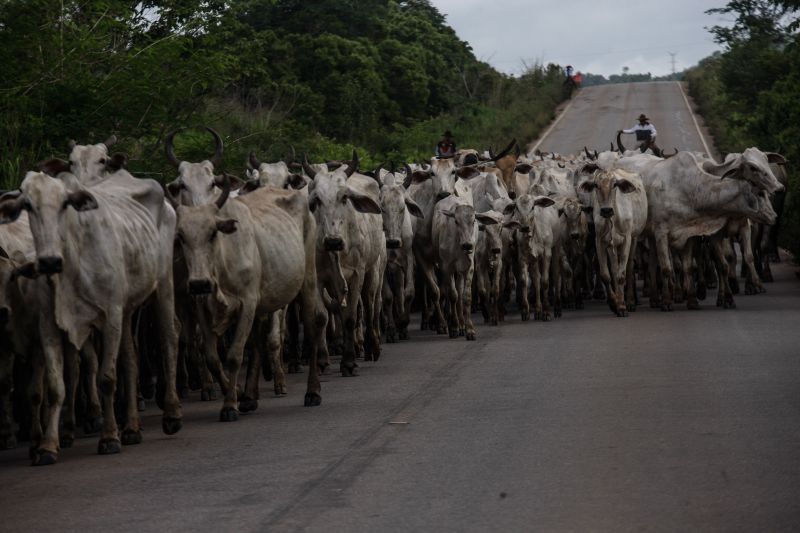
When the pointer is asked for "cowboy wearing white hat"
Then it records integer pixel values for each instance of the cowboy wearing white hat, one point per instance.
(645, 133)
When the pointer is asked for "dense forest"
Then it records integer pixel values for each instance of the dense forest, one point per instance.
(384, 76)
(749, 94)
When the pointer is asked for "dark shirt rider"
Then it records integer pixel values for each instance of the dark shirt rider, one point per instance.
(447, 146)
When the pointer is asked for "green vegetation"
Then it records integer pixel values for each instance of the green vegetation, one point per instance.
(749, 94)
(384, 76)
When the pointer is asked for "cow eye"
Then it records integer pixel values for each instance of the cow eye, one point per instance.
(102, 161)
(213, 236)
(26, 204)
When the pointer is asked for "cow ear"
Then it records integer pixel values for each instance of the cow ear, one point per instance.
(363, 203)
(313, 200)
(3, 253)
(116, 162)
(485, 219)
(448, 214)
(81, 200)
(776, 159)
(26, 270)
(175, 187)
(10, 207)
(467, 173)
(511, 224)
(561, 211)
(227, 225)
(523, 168)
(481, 227)
(587, 186)
(544, 201)
(509, 209)
(414, 208)
(250, 186)
(296, 181)
(625, 186)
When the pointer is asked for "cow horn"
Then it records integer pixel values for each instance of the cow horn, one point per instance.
(506, 151)
(587, 152)
(310, 172)
(168, 194)
(72, 144)
(612, 146)
(596, 155)
(216, 160)
(53, 167)
(291, 156)
(170, 149)
(667, 156)
(254, 162)
(111, 141)
(619, 142)
(517, 150)
(352, 165)
(409, 173)
(225, 183)
(561, 165)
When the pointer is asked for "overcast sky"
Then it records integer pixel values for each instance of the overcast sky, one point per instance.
(592, 35)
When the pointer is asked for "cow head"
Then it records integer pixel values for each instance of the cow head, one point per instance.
(506, 162)
(575, 217)
(443, 175)
(463, 218)
(752, 165)
(278, 174)
(196, 183)
(11, 268)
(198, 233)
(332, 200)
(605, 186)
(395, 202)
(521, 174)
(520, 211)
(49, 202)
(91, 162)
(490, 224)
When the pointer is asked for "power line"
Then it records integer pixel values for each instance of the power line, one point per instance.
(672, 56)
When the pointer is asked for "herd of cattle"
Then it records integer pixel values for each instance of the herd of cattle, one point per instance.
(114, 287)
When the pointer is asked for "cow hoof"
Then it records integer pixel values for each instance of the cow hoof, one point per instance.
(66, 441)
(109, 446)
(93, 425)
(423, 325)
(391, 338)
(171, 425)
(403, 334)
(295, 368)
(8, 442)
(208, 395)
(749, 289)
(557, 313)
(441, 330)
(599, 294)
(42, 457)
(312, 399)
(228, 414)
(767, 278)
(323, 367)
(183, 392)
(578, 305)
(141, 405)
(693, 306)
(545, 316)
(631, 308)
(525, 316)
(622, 313)
(734, 283)
(728, 303)
(148, 390)
(247, 405)
(471, 336)
(666, 307)
(462, 332)
(281, 390)
(131, 437)
(348, 371)
(701, 292)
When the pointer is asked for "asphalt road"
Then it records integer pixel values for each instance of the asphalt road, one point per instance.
(683, 421)
(596, 113)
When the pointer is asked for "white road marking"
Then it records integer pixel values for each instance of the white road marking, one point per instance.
(694, 119)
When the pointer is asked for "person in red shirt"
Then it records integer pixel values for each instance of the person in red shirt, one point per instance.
(447, 146)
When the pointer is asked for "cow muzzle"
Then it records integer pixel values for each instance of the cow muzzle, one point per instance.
(5, 315)
(393, 244)
(607, 212)
(467, 247)
(442, 195)
(512, 194)
(50, 265)
(574, 236)
(199, 287)
(334, 244)
(525, 229)
(496, 251)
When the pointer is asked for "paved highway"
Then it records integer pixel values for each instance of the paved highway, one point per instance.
(683, 421)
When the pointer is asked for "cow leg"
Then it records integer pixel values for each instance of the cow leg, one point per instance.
(620, 264)
(652, 275)
(389, 305)
(730, 258)
(605, 275)
(752, 284)
(433, 288)
(292, 345)
(248, 399)
(36, 398)
(523, 279)
(555, 270)
(408, 297)
(536, 276)
(132, 432)
(630, 278)
(688, 276)
(72, 380)
(665, 264)
(347, 365)
(315, 320)
(466, 295)
(107, 382)
(547, 309)
(495, 291)
(482, 290)
(169, 330)
(724, 294)
(274, 348)
(233, 361)
(7, 438)
(360, 330)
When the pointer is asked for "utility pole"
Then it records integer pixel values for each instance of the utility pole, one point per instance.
(672, 56)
